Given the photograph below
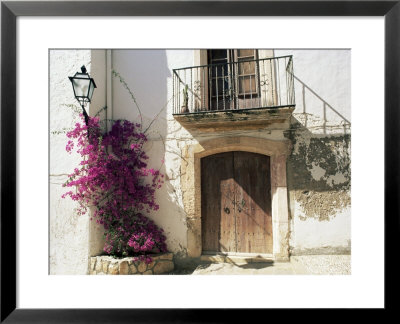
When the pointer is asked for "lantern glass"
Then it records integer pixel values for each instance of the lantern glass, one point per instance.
(83, 86)
(81, 83)
(91, 89)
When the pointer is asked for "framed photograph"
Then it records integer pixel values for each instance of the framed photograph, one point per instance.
(243, 113)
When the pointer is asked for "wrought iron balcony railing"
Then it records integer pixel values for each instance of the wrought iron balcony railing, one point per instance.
(261, 83)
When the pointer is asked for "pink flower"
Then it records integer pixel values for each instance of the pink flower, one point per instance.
(116, 181)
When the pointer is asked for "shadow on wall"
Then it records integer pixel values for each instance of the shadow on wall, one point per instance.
(309, 120)
(318, 168)
(147, 74)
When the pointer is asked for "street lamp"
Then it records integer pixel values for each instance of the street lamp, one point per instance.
(83, 86)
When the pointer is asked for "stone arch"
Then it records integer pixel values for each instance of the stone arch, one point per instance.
(191, 186)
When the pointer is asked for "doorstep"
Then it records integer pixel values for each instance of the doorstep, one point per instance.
(237, 258)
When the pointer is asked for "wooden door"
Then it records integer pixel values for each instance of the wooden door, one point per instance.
(253, 202)
(236, 203)
(217, 188)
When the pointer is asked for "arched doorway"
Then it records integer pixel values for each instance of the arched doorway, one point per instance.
(236, 211)
(191, 176)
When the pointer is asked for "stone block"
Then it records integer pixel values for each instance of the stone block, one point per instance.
(267, 259)
(105, 265)
(92, 263)
(123, 268)
(163, 267)
(213, 258)
(102, 265)
(166, 256)
(237, 260)
(282, 257)
(98, 266)
(280, 204)
(151, 265)
(194, 237)
(132, 269)
(142, 267)
(278, 171)
(113, 268)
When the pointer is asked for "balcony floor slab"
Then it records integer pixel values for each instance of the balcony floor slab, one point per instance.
(211, 121)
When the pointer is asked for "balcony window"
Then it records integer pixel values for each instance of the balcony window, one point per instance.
(234, 80)
(228, 78)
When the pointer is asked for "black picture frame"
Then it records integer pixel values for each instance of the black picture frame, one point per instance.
(10, 10)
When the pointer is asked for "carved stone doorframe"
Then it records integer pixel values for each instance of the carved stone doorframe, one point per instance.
(191, 187)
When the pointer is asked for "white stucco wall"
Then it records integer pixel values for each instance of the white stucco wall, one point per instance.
(73, 238)
(69, 249)
(324, 237)
(322, 80)
(149, 76)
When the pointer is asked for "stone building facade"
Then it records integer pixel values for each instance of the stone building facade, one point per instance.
(300, 121)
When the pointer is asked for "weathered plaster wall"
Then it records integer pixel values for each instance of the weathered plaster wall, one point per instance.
(319, 175)
(318, 169)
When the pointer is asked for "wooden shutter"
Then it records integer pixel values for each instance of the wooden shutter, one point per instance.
(247, 72)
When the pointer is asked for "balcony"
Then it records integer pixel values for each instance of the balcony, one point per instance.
(247, 94)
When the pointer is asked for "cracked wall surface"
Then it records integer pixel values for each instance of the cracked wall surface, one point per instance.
(319, 189)
(319, 173)
(319, 186)
(319, 166)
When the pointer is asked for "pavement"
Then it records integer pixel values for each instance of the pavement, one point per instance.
(298, 265)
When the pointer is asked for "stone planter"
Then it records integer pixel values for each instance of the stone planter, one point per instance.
(107, 265)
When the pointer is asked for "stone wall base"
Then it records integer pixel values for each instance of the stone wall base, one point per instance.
(107, 265)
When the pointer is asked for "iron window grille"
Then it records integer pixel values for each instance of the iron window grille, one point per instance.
(234, 85)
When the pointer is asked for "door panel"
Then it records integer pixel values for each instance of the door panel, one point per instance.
(217, 187)
(236, 203)
(253, 203)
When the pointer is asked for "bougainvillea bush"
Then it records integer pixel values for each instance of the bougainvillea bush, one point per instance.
(113, 177)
